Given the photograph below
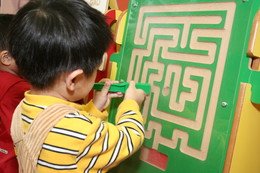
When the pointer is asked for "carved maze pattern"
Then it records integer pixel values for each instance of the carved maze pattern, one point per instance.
(181, 51)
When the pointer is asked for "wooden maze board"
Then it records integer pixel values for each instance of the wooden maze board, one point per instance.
(193, 54)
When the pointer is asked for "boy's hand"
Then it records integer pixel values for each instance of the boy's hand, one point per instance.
(102, 98)
(135, 94)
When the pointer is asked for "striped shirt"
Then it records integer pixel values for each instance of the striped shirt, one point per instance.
(84, 141)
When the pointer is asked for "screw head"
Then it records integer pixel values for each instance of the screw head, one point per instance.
(135, 4)
(224, 104)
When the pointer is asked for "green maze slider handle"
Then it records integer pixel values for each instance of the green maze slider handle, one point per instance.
(122, 87)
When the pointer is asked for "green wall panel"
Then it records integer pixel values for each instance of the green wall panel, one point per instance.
(193, 53)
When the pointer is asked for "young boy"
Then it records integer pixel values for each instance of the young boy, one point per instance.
(58, 46)
(12, 89)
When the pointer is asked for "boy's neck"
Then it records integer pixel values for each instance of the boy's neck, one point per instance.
(46, 92)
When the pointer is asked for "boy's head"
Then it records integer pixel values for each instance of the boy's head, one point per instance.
(7, 63)
(49, 38)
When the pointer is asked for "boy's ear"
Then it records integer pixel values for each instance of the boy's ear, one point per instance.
(71, 79)
(5, 58)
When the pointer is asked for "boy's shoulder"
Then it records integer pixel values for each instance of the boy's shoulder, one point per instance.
(70, 119)
(9, 80)
(9, 77)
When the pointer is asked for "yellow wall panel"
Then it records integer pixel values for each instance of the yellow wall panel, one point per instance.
(246, 156)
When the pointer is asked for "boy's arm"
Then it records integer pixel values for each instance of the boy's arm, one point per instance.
(93, 110)
(10, 100)
(128, 133)
(130, 121)
(110, 144)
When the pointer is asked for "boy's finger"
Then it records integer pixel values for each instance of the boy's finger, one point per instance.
(131, 84)
(115, 95)
(106, 87)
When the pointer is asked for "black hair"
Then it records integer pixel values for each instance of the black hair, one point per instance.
(50, 37)
(5, 20)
